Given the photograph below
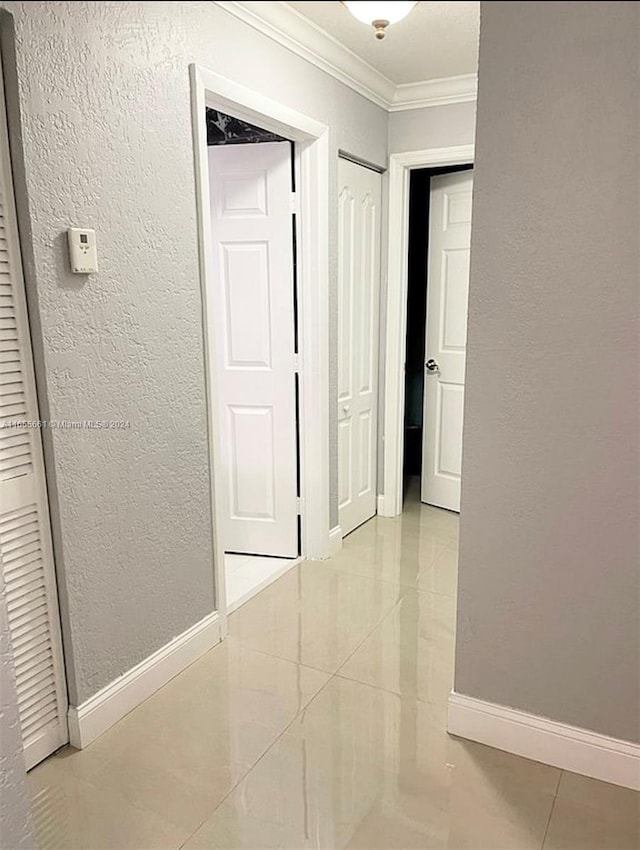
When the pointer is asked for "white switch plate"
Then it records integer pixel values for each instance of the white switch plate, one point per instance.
(83, 253)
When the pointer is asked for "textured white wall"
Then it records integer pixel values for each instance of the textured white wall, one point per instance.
(549, 562)
(15, 824)
(432, 127)
(105, 110)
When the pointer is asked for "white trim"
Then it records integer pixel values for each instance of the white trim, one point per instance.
(335, 540)
(312, 187)
(297, 33)
(312, 184)
(380, 505)
(290, 29)
(216, 494)
(390, 503)
(547, 741)
(113, 702)
(437, 92)
(223, 93)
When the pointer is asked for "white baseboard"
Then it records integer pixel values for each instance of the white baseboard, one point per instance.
(547, 741)
(335, 540)
(114, 701)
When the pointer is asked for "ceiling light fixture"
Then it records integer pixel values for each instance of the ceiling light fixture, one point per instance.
(379, 15)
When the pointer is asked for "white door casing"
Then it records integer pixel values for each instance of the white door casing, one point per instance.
(446, 338)
(26, 555)
(359, 201)
(252, 248)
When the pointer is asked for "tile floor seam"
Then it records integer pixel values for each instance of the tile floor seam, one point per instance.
(415, 697)
(259, 759)
(290, 661)
(367, 636)
(304, 708)
(400, 584)
(169, 823)
(331, 676)
(327, 562)
(373, 687)
(356, 575)
(553, 805)
(89, 781)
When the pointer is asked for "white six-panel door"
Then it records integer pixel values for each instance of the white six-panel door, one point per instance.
(446, 338)
(358, 305)
(252, 236)
(26, 557)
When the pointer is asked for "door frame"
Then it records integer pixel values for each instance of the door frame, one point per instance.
(311, 162)
(400, 166)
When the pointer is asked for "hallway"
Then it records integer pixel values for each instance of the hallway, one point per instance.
(320, 723)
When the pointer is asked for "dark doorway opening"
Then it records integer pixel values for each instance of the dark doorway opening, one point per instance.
(418, 267)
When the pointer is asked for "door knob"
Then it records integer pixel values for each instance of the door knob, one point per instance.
(432, 366)
(345, 408)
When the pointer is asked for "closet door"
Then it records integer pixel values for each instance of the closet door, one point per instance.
(26, 557)
(358, 303)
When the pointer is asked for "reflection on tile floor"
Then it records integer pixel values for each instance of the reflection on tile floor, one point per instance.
(320, 723)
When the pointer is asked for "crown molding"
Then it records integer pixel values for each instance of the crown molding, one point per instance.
(440, 92)
(301, 36)
(296, 33)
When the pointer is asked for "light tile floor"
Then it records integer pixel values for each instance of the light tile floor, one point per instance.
(320, 723)
(246, 575)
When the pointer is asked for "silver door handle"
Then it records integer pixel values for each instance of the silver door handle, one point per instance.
(432, 366)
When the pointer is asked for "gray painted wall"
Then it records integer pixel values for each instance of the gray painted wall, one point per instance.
(548, 584)
(105, 111)
(15, 824)
(432, 127)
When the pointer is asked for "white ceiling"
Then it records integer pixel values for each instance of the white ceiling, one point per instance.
(437, 39)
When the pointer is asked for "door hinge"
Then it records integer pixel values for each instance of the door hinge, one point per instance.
(294, 205)
(299, 505)
(297, 364)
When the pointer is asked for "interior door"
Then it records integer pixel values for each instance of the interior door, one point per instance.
(252, 235)
(358, 306)
(26, 557)
(446, 338)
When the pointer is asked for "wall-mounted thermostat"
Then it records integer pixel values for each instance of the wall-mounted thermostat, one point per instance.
(83, 254)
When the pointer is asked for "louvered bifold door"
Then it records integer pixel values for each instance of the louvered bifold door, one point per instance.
(25, 539)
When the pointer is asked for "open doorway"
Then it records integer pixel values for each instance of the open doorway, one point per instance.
(428, 327)
(239, 195)
(253, 244)
(439, 227)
